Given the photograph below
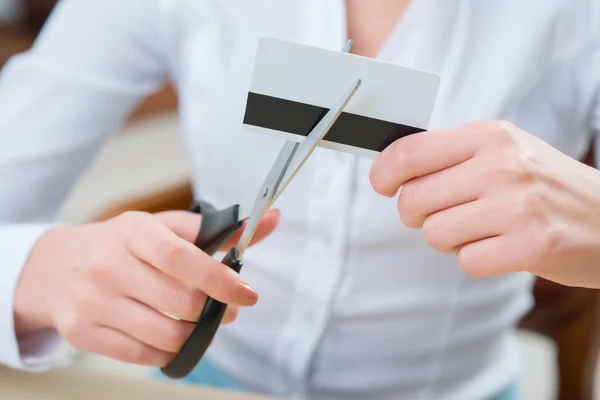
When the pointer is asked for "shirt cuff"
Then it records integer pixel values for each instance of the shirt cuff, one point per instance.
(33, 352)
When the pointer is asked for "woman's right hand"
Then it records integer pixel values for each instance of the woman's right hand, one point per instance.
(106, 286)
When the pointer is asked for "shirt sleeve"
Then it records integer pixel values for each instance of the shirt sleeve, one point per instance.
(59, 102)
(593, 79)
(596, 119)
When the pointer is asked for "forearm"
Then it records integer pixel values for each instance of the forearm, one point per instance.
(30, 347)
(30, 315)
(59, 103)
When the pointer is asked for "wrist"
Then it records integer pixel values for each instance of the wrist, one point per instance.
(30, 303)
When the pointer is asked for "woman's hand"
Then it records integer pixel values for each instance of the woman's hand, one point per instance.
(105, 286)
(498, 197)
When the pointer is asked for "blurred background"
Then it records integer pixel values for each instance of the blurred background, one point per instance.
(144, 167)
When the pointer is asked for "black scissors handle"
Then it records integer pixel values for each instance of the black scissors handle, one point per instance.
(218, 226)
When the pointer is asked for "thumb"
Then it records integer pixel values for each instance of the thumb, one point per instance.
(186, 225)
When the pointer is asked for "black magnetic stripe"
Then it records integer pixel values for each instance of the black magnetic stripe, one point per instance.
(300, 118)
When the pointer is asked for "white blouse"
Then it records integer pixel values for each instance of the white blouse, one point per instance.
(353, 305)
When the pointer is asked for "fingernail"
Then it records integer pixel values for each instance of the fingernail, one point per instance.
(244, 295)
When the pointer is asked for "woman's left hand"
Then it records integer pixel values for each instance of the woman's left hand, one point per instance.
(499, 198)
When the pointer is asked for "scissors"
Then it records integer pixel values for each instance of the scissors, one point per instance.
(218, 226)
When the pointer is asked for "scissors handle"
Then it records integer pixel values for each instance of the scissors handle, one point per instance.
(216, 229)
(218, 226)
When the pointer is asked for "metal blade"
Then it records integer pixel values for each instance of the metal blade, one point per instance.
(304, 149)
(266, 195)
(348, 46)
(317, 134)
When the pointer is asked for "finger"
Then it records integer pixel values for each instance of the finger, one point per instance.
(447, 230)
(267, 225)
(150, 286)
(121, 347)
(166, 295)
(147, 325)
(493, 256)
(425, 153)
(158, 246)
(231, 314)
(426, 195)
(185, 224)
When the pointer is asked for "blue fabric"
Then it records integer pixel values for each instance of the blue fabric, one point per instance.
(207, 374)
(511, 393)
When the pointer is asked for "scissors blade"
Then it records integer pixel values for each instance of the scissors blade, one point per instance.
(308, 145)
(266, 195)
(289, 161)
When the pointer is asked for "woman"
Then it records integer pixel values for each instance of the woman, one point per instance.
(354, 303)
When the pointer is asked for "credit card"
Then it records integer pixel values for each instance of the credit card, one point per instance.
(293, 85)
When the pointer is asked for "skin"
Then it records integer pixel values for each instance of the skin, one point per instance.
(370, 23)
(106, 286)
(499, 198)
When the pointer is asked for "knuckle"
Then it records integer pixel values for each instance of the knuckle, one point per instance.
(506, 127)
(466, 263)
(133, 217)
(503, 134)
(409, 206)
(188, 303)
(130, 223)
(377, 177)
(478, 126)
(434, 234)
(505, 144)
(84, 301)
(470, 263)
(74, 328)
(211, 281)
(526, 164)
(495, 130)
(501, 129)
(97, 264)
(528, 208)
(395, 165)
(175, 333)
(500, 133)
(169, 253)
(405, 149)
(555, 238)
(137, 354)
(97, 271)
(410, 199)
(516, 169)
